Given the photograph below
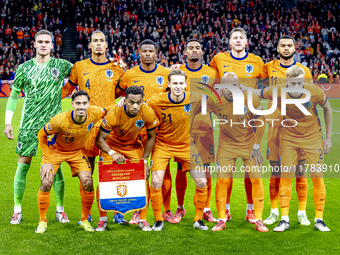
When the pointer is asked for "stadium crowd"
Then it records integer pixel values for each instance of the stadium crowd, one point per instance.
(314, 25)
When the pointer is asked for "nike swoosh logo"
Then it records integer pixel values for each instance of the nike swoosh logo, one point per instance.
(87, 73)
(226, 66)
(136, 81)
(261, 200)
(43, 203)
(274, 71)
(163, 109)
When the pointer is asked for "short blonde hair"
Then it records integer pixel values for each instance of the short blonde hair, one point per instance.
(176, 72)
(294, 71)
(238, 29)
(43, 32)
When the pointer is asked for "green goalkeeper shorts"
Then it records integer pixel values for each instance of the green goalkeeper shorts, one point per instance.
(27, 145)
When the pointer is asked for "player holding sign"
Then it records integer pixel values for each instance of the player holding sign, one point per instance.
(121, 128)
(173, 140)
(70, 131)
(41, 78)
(306, 136)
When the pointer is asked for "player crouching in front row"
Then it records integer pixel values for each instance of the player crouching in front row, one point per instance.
(69, 132)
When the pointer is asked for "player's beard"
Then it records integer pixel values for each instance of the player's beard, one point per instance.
(287, 57)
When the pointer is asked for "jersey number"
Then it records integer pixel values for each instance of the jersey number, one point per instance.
(225, 117)
(69, 139)
(87, 85)
(164, 117)
(274, 79)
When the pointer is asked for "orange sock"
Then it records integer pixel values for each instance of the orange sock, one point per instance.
(101, 213)
(302, 190)
(86, 202)
(258, 197)
(181, 186)
(229, 188)
(319, 196)
(81, 191)
(248, 188)
(274, 187)
(221, 194)
(199, 201)
(285, 194)
(209, 189)
(142, 213)
(166, 189)
(156, 202)
(43, 204)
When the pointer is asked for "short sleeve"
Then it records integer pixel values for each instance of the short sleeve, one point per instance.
(73, 79)
(108, 121)
(52, 127)
(123, 84)
(19, 79)
(213, 63)
(151, 119)
(321, 97)
(263, 72)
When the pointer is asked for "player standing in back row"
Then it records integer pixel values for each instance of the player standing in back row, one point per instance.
(248, 69)
(42, 80)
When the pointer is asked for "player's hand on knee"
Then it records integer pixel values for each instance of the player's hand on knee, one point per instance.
(9, 131)
(257, 155)
(45, 169)
(118, 158)
(174, 67)
(121, 102)
(327, 145)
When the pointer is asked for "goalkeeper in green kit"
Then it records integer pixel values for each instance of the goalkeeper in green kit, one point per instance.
(42, 81)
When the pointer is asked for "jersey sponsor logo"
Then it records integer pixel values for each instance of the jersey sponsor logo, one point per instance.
(87, 73)
(205, 79)
(55, 72)
(19, 145)
(163, 109)
(187, 107)
(307, 105)
(121, 190)
(49, 127)
(89, 127)
(139, 123)
(136, 81)
(109, 73)
(104, 121)
(160, 80)
(249, 68)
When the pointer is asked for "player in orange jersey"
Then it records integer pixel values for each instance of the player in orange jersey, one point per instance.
(121, 128)
(69, 132)
(248, 69)
(302, 131)
(238, 138)
(151, 78)
(173, 141)
(201, 130)
(276, 70)
(99, 77)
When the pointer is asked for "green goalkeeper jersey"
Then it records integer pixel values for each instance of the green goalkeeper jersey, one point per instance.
(42, 84)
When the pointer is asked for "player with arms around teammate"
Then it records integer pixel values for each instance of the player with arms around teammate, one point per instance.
(201, 129)
(151, 78)
(118, 140)
(69, 132)
(305, 135)
(42, 79)
(248, 68)
(98, 76)
(173, 141)
(276, 70)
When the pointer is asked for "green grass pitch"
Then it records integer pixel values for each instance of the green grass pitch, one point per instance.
(239, 237)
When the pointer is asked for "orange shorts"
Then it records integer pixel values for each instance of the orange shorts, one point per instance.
(273, 145)
(129, 152)
(188, 156)
(311, 147)
(205, 146)
(90, 147)
(76, 159)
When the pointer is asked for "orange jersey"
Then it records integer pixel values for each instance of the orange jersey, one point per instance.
(174, 120)
(307, 125)
(237, 130)
(124, 130)
(277, 76)
(247, 69)
(207, 75)
(98, 80)
(69, 135)
(151, 82)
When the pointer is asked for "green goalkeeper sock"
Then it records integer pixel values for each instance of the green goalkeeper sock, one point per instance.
(59, 187)
(20, 183)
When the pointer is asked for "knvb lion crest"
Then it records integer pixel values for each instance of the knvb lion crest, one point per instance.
(55, 72)
(160, 80)
(140, 123)
(109, 73)
(121, 190)
(249, 68)
(205, 79)
(187, 107)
